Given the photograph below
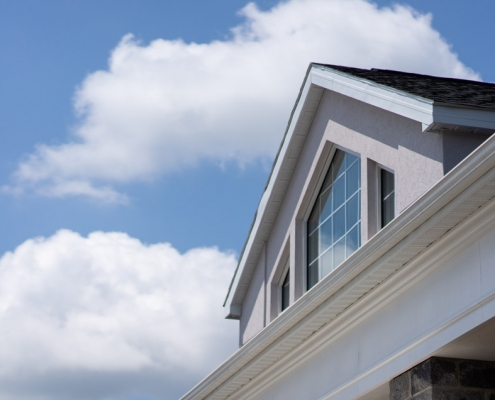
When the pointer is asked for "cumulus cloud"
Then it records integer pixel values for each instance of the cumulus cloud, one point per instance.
(106, 315)
(167, 105)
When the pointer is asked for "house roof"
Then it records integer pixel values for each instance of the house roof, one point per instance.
(450, 91)
(389, 90)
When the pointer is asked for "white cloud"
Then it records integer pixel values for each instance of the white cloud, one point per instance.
(168, 104)
(89, 309)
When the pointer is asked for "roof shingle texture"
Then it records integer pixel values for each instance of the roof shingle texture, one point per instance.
(452, 91)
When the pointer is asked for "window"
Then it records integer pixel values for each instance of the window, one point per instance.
(387, 197)
(333, 227)
(285, 291)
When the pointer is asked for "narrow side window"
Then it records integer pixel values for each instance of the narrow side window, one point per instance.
(285, 291)
(387, 197)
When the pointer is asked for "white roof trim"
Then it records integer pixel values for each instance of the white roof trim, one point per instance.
(309, 99)
(317, 79)
(385, 97)
(464, 117)
(454, 199)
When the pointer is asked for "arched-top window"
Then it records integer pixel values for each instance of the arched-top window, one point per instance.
(333, 227)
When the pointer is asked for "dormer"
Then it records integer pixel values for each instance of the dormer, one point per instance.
(360, 147)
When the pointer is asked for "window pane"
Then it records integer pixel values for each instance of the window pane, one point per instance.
(286, 291)
(314, 217)
(339, 253)
(326, 204)
(349, 159)
(338, 191)
(338, 165)
(352, 241)
(326, 263)
(387, 183)
(328, 180)
(339, 224)
(388, 210)
(334, 223)
(313, 246)
(326, 237)
(335, 169)
(312, 274)
(352, 180)
(352, 211)
(387, 197)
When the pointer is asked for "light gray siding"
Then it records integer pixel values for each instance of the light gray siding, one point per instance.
(457, 146)
(253, 308)
(380, 138)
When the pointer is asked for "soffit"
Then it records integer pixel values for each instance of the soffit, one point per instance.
(462, 192)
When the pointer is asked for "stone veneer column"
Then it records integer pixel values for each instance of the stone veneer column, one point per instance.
(446, 379)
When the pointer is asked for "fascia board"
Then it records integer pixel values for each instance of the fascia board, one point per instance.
(243, 274)
(464, 117)
(402, 103)
(465, 185)
(473, 228)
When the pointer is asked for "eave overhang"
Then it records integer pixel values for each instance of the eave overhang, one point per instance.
(433, 116)
(465, 194)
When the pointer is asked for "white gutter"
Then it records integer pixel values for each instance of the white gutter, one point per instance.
(464, 190)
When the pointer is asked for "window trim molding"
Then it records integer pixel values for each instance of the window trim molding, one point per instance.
(316, 177)
(283, 276)
(313, 181)
(378, 189)
(437, 205)
(282, 264)
(321, 171)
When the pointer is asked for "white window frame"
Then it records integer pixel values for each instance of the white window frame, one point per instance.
(285, 271)
(379, 203)
(314, 195)
(276, 279)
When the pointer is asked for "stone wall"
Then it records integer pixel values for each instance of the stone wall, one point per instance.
(446, 379)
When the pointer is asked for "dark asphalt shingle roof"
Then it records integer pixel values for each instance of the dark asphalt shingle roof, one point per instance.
(443, 90)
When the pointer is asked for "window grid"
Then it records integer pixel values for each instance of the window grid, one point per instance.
(334, 223)
(387, 194)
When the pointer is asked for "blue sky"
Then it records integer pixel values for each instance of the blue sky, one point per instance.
(170, 145)
(48, 48)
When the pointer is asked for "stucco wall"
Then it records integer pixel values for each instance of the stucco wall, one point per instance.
(253, 308)
(423, 319)
(389, 140)
(457, 146)
(380, 138)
